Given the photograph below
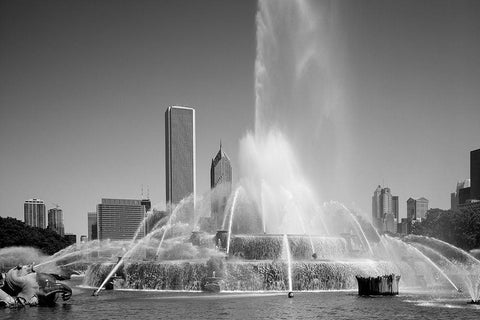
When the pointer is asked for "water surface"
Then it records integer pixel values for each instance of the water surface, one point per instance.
(143, 305)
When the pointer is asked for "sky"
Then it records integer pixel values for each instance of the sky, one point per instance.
(84, 86)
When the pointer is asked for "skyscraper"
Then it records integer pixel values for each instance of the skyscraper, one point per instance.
(179, 153)
(55, 221)
(376, 208)
(221, 186)
(34, 213)
(395, 210)
(92, 226)
(384, 209)
(475, 174)
(119, 219)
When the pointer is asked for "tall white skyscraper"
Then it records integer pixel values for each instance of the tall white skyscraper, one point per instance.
(180, 167)
(34, 213)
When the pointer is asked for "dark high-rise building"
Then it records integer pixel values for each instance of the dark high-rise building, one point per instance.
(179, 154)
(221, 186)
(461, 194)
(475, 174)
(119, 219)
(55, 221)
(34, 213)
(92, 226)
(395, 210)
(464, 195)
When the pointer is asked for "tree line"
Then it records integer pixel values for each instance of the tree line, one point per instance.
(460, 228)
(14, 232)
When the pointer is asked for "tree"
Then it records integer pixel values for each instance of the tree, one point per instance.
(15, 233)
(460, 228)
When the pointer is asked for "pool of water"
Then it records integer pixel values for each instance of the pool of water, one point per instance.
(143, 305)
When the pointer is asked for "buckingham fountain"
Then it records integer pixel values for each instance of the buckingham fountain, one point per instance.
(276, 234)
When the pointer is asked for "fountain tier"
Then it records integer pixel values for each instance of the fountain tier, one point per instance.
(259, 275)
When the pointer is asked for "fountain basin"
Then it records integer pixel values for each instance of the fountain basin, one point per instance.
(241, 275)
(213, 284)
(382, 285)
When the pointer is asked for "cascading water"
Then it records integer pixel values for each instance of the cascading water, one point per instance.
(171, 220)
(289, 261)
(232, 212)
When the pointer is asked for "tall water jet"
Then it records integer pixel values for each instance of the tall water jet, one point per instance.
(232, 211)
(171, 220)
(289, 261)
(357, 225)
(299, 85)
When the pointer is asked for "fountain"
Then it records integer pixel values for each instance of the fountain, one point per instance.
(276, 234)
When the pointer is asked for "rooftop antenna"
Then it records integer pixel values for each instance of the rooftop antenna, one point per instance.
(148, 192)
(142, 191)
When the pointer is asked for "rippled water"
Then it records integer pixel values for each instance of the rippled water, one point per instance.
(305, 305)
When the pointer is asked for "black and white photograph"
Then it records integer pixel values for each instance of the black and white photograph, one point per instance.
(239, 159)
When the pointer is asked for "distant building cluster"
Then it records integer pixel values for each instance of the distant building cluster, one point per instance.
(121, 219)
(386, 215)
(467, 194)
(385, 206)
(35, 215)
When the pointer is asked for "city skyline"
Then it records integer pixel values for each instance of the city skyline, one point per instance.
(83, 81)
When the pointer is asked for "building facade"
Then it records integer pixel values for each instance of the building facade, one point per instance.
(395, 209)
(147, 204)
(55, 221)
(34, 213)
(119, 219)
(221, 186)
(462, 192)
(180, 169)
(384, 209)
(92, 226)
(416, 209)
(475, 174)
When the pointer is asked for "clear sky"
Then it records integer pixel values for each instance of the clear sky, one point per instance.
(84, 86)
